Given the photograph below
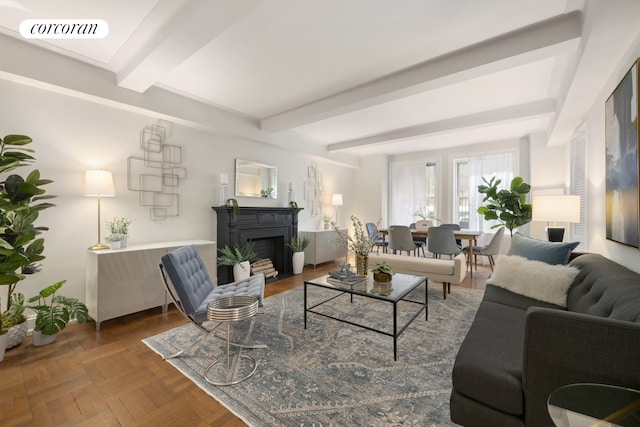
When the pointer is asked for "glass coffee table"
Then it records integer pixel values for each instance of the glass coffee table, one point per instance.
(401, 286)
(594, 405)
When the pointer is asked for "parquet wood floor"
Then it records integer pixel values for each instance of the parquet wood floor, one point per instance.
(110, 378)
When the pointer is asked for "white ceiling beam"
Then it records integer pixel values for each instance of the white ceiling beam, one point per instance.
(502, 115)
(543, 40)
(193, 27)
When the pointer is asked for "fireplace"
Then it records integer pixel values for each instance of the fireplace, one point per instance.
(270, 229)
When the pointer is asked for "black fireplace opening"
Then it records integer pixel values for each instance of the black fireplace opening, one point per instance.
(272, 248)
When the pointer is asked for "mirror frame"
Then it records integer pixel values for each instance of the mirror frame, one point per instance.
(254, 179)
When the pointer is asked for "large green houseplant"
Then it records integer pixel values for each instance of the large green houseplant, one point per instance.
(21, 201)
(508, 207)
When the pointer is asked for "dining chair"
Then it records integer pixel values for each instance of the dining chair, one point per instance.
(442, 241)
(378, 240)
(455, 227)
(401, 239)
(422, 225)
(189, 285)
(488, 250)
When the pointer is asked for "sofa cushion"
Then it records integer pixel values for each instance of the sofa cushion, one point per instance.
(541, 250)
(506, 297)
(534, 279)
(604, 288)
(488, 367)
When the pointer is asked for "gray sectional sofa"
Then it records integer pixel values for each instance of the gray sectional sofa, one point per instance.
(519, 349)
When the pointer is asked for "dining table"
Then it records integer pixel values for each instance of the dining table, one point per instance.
(470, 235)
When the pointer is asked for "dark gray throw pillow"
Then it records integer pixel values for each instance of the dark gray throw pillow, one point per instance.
(541, 250)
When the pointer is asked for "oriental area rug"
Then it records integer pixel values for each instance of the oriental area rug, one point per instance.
(332, 373)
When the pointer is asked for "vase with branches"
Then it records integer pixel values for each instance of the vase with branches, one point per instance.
(359, 242)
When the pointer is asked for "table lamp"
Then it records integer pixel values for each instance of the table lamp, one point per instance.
(559, 208)
(99, 183)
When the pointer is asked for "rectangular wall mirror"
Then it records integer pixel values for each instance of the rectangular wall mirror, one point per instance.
(256, 179)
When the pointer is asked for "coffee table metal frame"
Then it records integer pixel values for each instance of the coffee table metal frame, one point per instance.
(227, 310)
(403, 284)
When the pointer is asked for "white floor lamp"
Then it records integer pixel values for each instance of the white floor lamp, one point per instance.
(99, 183)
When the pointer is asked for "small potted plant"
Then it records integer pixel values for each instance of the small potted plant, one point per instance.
(14, 321)
(119, 231)
(239, 257)
(115, 240)
(54, 312)
(3, 340)
(326, 219)
(298, 246)
(382, 272)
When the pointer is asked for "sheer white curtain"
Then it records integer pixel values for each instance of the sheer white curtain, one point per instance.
(408, 190)
(502, 166)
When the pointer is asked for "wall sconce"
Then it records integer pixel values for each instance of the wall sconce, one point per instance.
(336, 200)
(99, 184)
(560, 208)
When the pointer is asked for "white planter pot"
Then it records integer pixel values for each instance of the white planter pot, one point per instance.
(116, 245)
(38, 338)
(241, 271)
(298, 262)
(3, 345)
(16, 334)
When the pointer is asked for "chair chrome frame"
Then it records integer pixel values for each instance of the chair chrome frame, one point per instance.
(200, 325)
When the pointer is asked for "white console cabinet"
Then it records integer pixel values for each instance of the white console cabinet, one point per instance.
(128, 280)
(323, 246)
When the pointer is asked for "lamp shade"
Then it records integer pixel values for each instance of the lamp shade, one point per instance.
(336, 199)
(560, 208)
(99, 183)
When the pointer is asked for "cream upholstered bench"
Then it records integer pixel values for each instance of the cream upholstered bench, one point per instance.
(447, 271)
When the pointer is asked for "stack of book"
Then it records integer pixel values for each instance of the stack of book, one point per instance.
(345, 279)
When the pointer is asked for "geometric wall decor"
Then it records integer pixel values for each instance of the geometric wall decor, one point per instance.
(156, 174)
(313, 189)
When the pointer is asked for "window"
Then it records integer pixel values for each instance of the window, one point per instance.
(413, 187)
(578, 183)
(431, 195)
(468, 175)
(461, 204)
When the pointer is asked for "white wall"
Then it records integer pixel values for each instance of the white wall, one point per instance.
(596, 222)
(73, 135)
(371, 190)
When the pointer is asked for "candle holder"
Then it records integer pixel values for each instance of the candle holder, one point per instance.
(291, 196)
(224, 194)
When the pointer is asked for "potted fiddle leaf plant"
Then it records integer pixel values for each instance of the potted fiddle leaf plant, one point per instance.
(508, 207)
(54, 312)
(239, 257)
(21, 201)
(298, 245)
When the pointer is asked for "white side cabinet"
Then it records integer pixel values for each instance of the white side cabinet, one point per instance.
(128, 280)
(323, 246)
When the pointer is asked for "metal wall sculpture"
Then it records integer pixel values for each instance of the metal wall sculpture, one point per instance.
(156, 175)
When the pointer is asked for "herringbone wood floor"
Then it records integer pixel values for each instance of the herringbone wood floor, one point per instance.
(111, 378)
